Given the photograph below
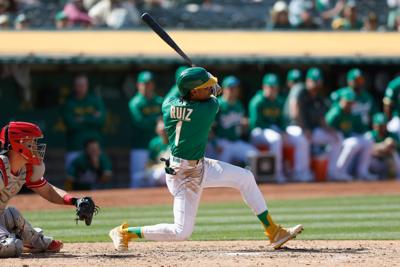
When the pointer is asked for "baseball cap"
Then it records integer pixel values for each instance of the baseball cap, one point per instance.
(379, 118)
(314, 74)
(271, 79)
(179, 71)
(193, 78)
(348, 95)
(280, 6)
(145, 77)
(230, 81)
(354, 74)
(293, 75)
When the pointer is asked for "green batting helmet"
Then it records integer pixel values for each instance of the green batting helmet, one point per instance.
(193, 78)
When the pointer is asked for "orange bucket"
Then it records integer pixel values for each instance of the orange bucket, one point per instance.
(319, 165)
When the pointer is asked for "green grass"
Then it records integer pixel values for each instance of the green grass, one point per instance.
(372, 217)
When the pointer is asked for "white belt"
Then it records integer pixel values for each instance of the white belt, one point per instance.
(189, 162)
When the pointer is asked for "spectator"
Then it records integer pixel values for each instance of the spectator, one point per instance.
(355, 156)
(312, 107)
(397, 22)
(327, 10)
(231, 124)
(77, 14)
(300, 14)
(268, 128)
(370, 22)
(391, 105)
(394, 10)
(91, 169)
(385, 152)
(61, 20)
(279, 17)
(84, 116)
(350, 20)
(21, 22)
(364, 104)
(4, 22)
(8, 7)
(145, 108)
(174, 92)
(158, 148)
(115, 13)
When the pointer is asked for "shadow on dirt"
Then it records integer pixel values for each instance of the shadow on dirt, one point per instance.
(86, 256)
(324, 250)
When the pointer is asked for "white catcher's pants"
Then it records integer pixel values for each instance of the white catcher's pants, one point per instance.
(187, 186)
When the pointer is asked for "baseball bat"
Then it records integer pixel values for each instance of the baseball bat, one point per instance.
(165, 36)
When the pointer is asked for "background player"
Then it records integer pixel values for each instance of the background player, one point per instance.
(188, 120)
(21, 162)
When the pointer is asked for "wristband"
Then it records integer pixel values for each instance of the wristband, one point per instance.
(69, 200)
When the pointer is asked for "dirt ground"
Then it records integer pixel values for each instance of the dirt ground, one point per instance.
(220, 253)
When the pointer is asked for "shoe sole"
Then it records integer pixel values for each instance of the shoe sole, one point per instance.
(280, 243)
(114, 235)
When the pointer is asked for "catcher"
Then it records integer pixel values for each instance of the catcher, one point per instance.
(21, 162)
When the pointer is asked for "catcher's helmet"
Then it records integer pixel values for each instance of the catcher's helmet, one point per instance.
(23, 137)
(193, 78)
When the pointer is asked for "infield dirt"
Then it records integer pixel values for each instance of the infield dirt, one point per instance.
(220, 253)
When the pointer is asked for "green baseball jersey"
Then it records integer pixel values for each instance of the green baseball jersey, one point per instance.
(173, 92)
(85, 174)
(392, 96)
(144, 114)
(374, 135)
(265, 113)
(347, 123)
(229, 119)
(157, 148)
(188, 124)
(364, 104)
(84, 119)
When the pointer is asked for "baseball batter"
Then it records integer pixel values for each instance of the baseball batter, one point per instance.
(21, 162)
(188, 120)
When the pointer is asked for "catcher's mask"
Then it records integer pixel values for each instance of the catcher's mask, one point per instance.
(23, 137)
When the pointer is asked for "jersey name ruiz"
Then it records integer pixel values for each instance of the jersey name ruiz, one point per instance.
(180, 113)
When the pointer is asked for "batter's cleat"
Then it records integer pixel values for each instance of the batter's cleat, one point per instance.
(119, 238)
(283, 235)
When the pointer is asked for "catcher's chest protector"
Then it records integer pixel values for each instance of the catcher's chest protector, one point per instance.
(10, 184)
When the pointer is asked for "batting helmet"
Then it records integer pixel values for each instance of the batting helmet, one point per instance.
(193, 78)
(22, 137)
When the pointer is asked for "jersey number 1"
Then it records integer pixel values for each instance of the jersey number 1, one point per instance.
(178, 132)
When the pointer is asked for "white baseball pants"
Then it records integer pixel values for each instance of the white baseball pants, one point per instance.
(187, 186)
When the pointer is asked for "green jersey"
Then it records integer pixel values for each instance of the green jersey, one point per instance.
(347, 123)
(188, 124)
(229, 119)
(374, 135)
(364, 104)
(265, 113)
(144, 114)
(84, 119)
(173, 92)
(392, 96)
(157, 148)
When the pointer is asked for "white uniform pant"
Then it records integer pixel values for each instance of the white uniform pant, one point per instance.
(382, 168)
(235, 150)
(393, 126)
(334, 143)
(138, 161)
(275, 140)
(187, 186)
(356, 151)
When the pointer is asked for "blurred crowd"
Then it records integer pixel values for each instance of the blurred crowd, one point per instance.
(346, 128)
(118, 14)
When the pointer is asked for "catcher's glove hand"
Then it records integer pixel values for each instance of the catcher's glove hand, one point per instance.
(85, 209)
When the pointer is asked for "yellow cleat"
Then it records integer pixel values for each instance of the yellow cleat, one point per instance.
(283, 235)
(119, 237)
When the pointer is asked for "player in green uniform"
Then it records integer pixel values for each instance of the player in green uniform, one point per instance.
(230, 124)
(188, 120)
(391, 103)
(84, 116)
(174, 91)
(295, 86)
(145, 108)
(364, 104)
(268, 127)
(385, 161)
(356, 147)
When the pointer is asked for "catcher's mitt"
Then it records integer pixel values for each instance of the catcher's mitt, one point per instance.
(85, 209)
